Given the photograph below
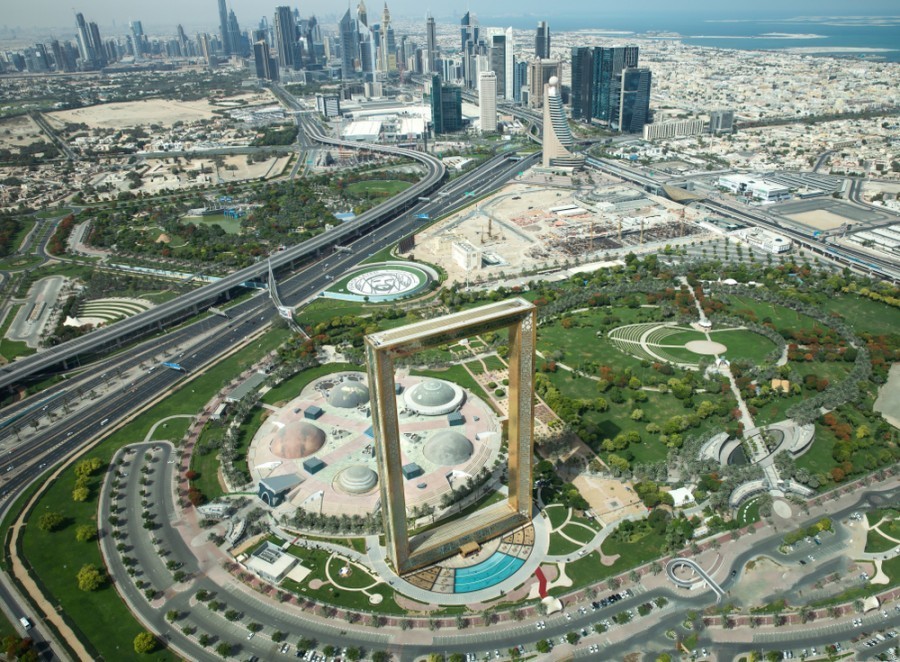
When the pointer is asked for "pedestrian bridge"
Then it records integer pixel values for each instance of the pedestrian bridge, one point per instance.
(672, 565)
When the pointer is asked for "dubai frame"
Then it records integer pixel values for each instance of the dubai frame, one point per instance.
(519, 317)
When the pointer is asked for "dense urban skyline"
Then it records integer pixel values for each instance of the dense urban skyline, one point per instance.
(53, 14)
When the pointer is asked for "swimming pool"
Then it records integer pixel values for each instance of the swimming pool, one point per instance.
(493, 570)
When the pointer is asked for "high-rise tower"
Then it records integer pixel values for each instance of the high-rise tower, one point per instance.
(431, 45)
(349, 45)
(558, 143)
(582, 76)
(608, 64)
(285, 36)
(84, 42)
(487, 101)
(223, 28)
(631, 110)
(542, 41)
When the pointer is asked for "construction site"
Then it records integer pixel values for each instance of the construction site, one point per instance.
(541, 222)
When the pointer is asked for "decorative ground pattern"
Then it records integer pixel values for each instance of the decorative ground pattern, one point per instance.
(385, 281)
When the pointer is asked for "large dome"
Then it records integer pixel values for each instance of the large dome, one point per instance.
(357, 479)
(348, 394)
(296, 440)
(433, 397)
(448, 448)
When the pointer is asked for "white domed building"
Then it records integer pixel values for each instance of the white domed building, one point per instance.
(321, 444)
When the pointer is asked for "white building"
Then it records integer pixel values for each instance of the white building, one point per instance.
(673, 129)
(487, 101)
(768, 241)
(270, 563)
(466, 255)
(759, 189)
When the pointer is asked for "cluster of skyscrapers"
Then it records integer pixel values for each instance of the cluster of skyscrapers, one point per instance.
(608, 86)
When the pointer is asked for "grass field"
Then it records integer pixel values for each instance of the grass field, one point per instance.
(560, 545)
(557, 515)
(291, 388)
(743, 344)
(783, 318)
(378, 187)
(10, 349)
(102, 616)
(207, 466)
(579, 533)
(229, 225)
(748, 513)
(865, 315)
(53, 212)
(173, 430)
(493, 362)
(475, 367)
(875, 542)
(19, 238)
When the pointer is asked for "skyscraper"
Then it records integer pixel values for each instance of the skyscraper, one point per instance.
(84, 42)
(137, 39)
(468, 30)
(285, 36)
(97, 47)
(520, 79)
(223, 28)
(349, 45)
(446, 107)
(558, 145)
(539, 74)
(631, 110)
(388, 54)
(235, 39)
(487, 101)
(582, 75)
(497, 57)
(431, 45)
(608, 64)
(542, 41)
(266, 65)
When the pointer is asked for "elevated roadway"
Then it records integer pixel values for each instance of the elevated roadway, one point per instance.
(69, 354)
(681, 562)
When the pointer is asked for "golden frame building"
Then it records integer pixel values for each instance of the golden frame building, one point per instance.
(519, 317)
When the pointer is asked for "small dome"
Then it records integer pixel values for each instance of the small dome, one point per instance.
(357, 479)
(348, 395)
(554, 81)
(296, 440)
(448, 448)
(432, 393)
(433, 397)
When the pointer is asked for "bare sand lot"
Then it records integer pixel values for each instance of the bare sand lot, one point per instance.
(19, 131)
(135, 113)
(820, 219)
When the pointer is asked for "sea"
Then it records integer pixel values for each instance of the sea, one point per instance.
(859, 37)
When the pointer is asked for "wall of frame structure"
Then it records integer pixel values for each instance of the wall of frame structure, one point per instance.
(518, 316)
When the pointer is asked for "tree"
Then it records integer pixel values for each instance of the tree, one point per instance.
(543, 646)
(85, 532)
(51, 521)
(89, 577)
(381, 656)
(145, 643)
(80, 494)
(172, 615)
(224, 649)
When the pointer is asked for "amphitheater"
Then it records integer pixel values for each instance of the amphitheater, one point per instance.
(323, 438)
(667, 343)
(98, 312)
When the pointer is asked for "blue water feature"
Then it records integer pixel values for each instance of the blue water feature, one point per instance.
(490, 572)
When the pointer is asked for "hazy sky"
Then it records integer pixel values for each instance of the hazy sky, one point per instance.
(194, 13)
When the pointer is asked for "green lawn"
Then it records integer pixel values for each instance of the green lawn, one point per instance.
(207, 466)
(323, 310)
(378, 187)
(557, 515)
(10, 349)
(475, 367)
(357, 578)
(579, 533)
(743, 344)
(783, 318)
(493, 362)
(875, 542)
(27, 225)
(246, 431)
(173, 430)
(748, 513)
(291, 387)
(864, 315)
(559, 545)
(53, 212)
(229, 225)
(101, 616)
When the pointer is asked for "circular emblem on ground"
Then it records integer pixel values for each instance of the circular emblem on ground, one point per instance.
(384, 282)
(705, 347)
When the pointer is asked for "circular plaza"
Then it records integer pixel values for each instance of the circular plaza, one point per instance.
(320, 448)
(385, 281)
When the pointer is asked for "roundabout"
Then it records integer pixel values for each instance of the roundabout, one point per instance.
(383, 281)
